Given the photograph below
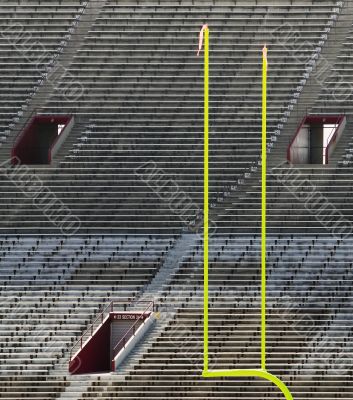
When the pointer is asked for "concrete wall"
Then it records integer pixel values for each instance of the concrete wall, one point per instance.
(299, 151)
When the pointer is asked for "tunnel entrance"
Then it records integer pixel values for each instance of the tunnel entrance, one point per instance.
(40, 138)
(316, 139)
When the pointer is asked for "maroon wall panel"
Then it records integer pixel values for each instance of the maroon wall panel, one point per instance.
(34, 143)
(95, 355)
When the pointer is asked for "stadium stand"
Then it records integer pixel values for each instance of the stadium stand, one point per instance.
(174, 359)
(57, 288)
(138, 121)
(120, 129)
(33, 36)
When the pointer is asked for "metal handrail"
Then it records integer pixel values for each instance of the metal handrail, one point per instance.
(123, 339)
(90, 329)
(101, 316)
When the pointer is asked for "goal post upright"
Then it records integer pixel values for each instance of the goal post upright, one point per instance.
(262, 372)
(206, 191)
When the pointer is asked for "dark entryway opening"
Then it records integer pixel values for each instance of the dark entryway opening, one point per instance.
(38, 138)
(316, 143)
(316, 139)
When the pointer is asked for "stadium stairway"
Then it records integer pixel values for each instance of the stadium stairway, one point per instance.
(142, 101)
(293, 279)
(49, 27)
(54, 289)
(56, 70)
(245, 196)
(183, 327)
(44, 312)
(152, 291)
(288, 344)
(322, 71)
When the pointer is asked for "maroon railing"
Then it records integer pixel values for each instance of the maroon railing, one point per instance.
(122, 342)
(111, 307)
